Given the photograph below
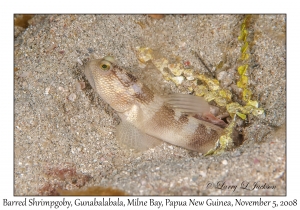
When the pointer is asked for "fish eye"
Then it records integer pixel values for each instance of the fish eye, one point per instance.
(105, 65)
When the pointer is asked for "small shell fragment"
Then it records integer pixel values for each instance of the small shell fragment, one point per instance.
(144, 54)
(226, 94)
(221, 101)
(176, 68)
(51, 47)
(79, 61)
(80, 86)
(224, 162)
(258, 111)
(246, 109)
(241, 115)
(160, 64)
(212, 84)
(210, 96)
(189, 74)
(253, 103)
(25, 74)
(201, 90)
(47, 90)
(177, 80)
(221, 75)
(61, 89)
(72, 97)
(233, 107)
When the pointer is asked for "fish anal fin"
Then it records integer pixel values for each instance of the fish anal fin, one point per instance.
(130, 136)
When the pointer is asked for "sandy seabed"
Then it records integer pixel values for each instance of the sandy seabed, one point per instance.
(65, 133)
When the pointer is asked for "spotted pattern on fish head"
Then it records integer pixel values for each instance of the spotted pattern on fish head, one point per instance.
(138, 90)
(115, 85)
(103, 78)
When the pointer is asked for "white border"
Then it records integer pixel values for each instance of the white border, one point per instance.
(150, 6)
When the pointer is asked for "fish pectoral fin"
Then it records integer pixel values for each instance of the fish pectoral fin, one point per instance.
(189, 104)
(132, 137)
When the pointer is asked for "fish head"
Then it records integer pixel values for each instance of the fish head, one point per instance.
(115, 85)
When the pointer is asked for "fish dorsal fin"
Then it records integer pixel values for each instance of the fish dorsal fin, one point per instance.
(189, 104)
(130, 136)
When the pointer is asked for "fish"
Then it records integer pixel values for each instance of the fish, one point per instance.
(149, 118)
